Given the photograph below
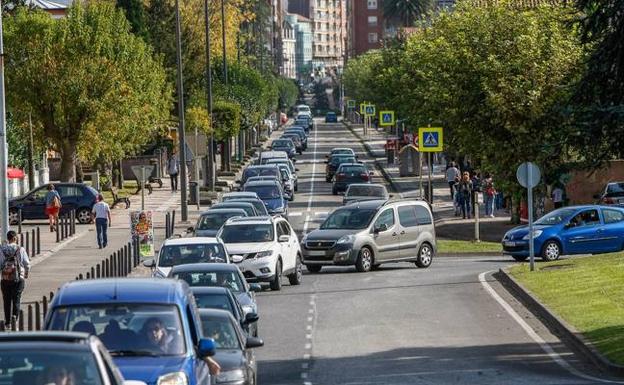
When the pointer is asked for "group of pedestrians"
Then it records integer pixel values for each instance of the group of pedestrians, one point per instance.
(464, 187)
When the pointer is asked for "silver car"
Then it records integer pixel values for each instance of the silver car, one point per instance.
(367, 234)
(359, 192)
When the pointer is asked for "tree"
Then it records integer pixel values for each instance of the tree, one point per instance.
(226, 117)
(408, 11)
(136, 15)
(94, 89)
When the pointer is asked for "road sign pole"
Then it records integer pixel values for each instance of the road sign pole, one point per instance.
(476, 216)
(420, 176)
(142, 188)
(430, 187)
(530, 204)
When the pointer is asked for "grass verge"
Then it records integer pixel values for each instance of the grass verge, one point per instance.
(588, 293)
(128, 189)
(447, 246)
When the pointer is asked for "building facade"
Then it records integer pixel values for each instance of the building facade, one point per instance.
(303, 47)
(289, 41)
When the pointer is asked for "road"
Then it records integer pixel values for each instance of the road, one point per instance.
(400, 325)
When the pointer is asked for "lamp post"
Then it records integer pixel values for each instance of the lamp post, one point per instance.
(211, 163)
(181, 125)
(4, 191)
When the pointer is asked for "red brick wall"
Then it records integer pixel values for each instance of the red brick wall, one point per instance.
(584, 185)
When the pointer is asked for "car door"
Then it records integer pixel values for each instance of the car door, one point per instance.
(70, 197)
(387, 241)
(295, 248)
(34, 204)
(612, 229)
(288, 249)
(281, 247)
(409, 231)
(582, 235)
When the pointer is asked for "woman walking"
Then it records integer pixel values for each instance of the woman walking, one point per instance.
(489, 194)
(53, 206)
(465, 193)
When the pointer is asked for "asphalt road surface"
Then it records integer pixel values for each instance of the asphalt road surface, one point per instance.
(449, 324)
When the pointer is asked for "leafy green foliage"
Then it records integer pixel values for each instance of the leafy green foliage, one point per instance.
(407, 10)
(197, 118)
(226, 119)
(288, 92)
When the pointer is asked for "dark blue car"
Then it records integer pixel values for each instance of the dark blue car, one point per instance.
(590, 229)
(150, 326)
(331, 117)
(272, 194)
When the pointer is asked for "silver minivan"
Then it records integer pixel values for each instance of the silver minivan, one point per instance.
(368, 234)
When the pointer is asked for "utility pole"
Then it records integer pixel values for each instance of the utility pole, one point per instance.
(181, 126)
(227, 150)
(211, 163)
(4, 153)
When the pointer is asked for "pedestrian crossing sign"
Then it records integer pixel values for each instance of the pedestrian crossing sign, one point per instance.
(430, 139)
(350, 103)
(386, 118)
(370, 110)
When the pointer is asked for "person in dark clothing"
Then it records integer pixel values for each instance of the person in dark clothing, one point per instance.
(15, 265)
(465, 192)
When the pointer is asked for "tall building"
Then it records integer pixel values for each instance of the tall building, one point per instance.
(289, 41)
(328, 18)
(303, 47)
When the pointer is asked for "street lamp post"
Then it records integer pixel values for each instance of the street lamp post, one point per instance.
(181, 125)
(4, 191)
(228, 142)
(211, 163)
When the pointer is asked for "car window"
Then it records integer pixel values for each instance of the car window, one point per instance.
(213, 301)
(284, 228)
(612, 216)
(586, 218)
(222, 331)
(247, 233)
(227, 279)
(352, 169)
(70, 191)
(385, 218)
(615, 188)
(422, 215)
(279, 229)
(407, 216)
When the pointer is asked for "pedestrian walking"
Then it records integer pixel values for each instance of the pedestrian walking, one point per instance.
(557, 196)
(53, 206)
(173, 169)
(15, 266)
(451, 174)
(465, 192)
(102, 215)
(489, 194)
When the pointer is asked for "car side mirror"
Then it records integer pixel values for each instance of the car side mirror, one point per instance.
(206, 347)
(284, 238)
(251, 318)
(237, 258)
(390, 195)
(255, 287)
(296, 169)
(149, 263)
(381, 228)
(253, 342)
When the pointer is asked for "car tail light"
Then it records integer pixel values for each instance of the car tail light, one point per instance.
(364, 176)
(340, 176)
(608, 201)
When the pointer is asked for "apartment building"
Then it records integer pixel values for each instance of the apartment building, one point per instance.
(289, 42)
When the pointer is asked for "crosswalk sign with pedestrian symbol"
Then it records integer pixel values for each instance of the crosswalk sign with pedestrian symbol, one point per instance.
(430, 139)
(386, 118)
(370, 110)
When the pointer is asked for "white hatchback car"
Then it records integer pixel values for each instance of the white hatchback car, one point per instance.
(182, 251)
(264, 248)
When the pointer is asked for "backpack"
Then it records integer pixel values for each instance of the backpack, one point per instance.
(11, 266)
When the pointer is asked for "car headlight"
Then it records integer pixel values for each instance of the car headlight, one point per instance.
(266, 253)
(346, 239)
(231, 376)
(536, 233)
(175, 378)
(248, 309)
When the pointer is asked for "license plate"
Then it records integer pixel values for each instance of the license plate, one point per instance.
(510, 243)
(316, 253)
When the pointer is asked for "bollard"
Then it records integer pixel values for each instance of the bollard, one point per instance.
(107, 268)
(27, 244)
(20, 321)
(73, 222)
(2, 327)
(113, 258)
(62, 227)
(129, 261)
(88, 276)
(118, 262)
(172, 223)
(33, 244)
(37, 316)
(51, 297)
(19, 220)
(58, 233)
(38, 241)
(66, 226)
(30, 318)
(92, 272)
(80, 276)
(97, 271)
(167, 219)
(44, 303)
(21, 239)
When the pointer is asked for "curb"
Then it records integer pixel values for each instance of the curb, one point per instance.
(557, 325)
(470, 254)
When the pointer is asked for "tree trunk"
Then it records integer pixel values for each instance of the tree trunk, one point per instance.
(79, 173)
(68, 161)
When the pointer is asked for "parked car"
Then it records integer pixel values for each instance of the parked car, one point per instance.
(331, 117)
(266, 248)
(222, 298)
(589, 229)
(348, 173)
(234, 204)
(256, 202)
(43, 357)
(209, 222)
(303, 109)
(260, 170)
(299, 147)
(291, 167)
(302, 135)
(265, 156)
(74, 196)
(304, 121)
(234, 351)
(288, 181)
(237, 195)
(334, 162)
(612, 194)
(180, 251)
(367, 234)
(286, 145)
(272, 194)
(124, 312)
(359, 192)
(220, 275)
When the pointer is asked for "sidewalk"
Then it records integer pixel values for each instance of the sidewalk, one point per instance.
(447, 224)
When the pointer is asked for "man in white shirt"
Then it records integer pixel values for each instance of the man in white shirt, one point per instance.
(557, 197)
(451, 174)
(102, 215)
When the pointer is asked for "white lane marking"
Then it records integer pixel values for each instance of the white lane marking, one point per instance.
(320, 213)
(536, 337)
(295, 214)
(305, 366)
(308, 346)
(306, 356)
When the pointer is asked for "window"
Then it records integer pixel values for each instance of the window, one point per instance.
(70, 191)
(612, 216)
(372, 21)
(585, 218)
(372, 4)
(386, 218)
(422, 216)
(407, 216)
(372, 38)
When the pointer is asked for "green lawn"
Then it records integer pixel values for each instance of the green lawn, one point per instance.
(128, 189)
(447, 246)
(588, 293)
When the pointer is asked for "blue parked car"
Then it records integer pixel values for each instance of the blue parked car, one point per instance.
(590, 229)
(272, 194)
(331, 117)
(150, 326)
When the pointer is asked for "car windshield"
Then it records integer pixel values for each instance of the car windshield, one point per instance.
(127, 329)
(214, 221)
(342, 151)
(213, 301)
(370, 191)
(228, 279)
(555, 217)
(32, 365)
(349, 219)
(352, 169)
(247, 233)
(282, 162)
(173, 255)
(265, 192)
(237, 196)
(222, 331)
(282, 143)
(260, 171)
(258, 205)
(615, 188)
(236, 205)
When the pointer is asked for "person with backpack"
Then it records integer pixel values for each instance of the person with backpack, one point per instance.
(14, 265)
(173, 169)
(53, 206)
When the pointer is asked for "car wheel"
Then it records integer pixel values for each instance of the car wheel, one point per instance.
(296, 277)
(425, 256)
(314, 268)
(364, 261)
(327, 179)
(13, 216)
(520, 258)
(551, 251)
(276, 283)
(83, 216)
